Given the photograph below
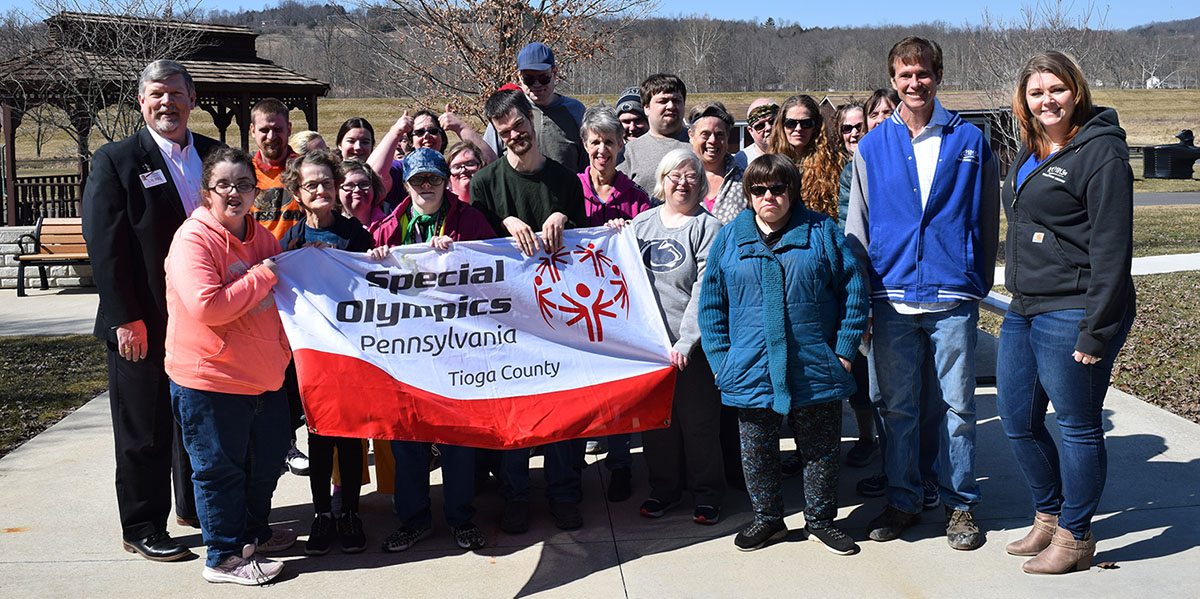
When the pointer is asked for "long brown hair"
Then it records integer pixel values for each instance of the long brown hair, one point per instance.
(819, 166)
(1062, 66)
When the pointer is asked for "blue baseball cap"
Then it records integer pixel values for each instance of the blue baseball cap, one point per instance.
(425, 160)
(535, 57)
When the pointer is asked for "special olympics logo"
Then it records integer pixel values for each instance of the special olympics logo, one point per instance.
(594, 293)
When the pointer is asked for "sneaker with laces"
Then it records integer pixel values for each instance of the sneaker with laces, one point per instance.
(320, 536)
(759, 534)
(350, 533)
(246, 569)
(566, 515)
(706, 514)
(872, 486)
(405, 537)
(929, 494)
(890, 524)
(281, 539)
(296, 461)
(860, 454)
(468, 536)
(653, 508)
(961, 531)
(832, 538)
(793, 466)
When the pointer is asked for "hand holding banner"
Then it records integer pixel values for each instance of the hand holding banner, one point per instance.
(479, 346)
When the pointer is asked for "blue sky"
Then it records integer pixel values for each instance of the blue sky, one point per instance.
(822, 13)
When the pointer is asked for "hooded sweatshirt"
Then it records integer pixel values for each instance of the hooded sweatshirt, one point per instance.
(223, 331)
(1070, 232)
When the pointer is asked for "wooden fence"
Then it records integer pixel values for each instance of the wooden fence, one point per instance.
(51, 196)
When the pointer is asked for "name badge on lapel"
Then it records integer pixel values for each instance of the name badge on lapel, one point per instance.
(153, 178)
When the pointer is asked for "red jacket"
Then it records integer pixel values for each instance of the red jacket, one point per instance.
(463, 223)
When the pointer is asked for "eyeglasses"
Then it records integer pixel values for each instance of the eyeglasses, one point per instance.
(760, 125)
(805, 124)
(225, 187)
(848, 128)
(776, 189)
(426, 179)
(427, 131)
(364, 186)
(459, 169)
(313, 186)
(531, 80)
(677, 178)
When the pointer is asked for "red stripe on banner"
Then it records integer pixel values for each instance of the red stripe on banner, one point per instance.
(348, 397)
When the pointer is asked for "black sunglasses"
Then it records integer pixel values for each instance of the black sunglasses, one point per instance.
(807, 123)
(531, 80)
(847, 128)
(776, 189)
(760, 125)
(424, 132)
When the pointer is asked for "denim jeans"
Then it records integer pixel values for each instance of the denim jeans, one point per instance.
(929, 425)
(908, 349)
(237, 444)
(1034, 368)
(562, 471)
(411, 496)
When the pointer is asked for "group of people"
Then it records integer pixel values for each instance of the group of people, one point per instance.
(818, 263)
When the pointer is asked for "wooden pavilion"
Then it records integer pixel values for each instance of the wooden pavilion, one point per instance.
(228, 74)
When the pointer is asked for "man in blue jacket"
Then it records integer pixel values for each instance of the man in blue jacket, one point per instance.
(924, 220)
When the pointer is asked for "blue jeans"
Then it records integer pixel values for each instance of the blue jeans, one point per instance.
(1035, 367)
(237, 444)
(411, 497)
(563, 479)
(909, 348)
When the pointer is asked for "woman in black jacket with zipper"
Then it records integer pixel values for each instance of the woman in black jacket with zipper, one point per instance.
(1069, 202)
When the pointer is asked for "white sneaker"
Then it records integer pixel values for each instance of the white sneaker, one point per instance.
(296, 461)
(281, 539)
(244, 569)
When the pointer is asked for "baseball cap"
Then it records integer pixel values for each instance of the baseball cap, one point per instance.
(425, 160)
(535, 57)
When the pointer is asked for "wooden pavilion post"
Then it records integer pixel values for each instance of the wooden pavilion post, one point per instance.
(10, 164)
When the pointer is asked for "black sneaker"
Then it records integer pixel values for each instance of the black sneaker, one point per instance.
(872, 486)
(792, 466)
(759, 534)
(890, 524)
(350, 532)
(516, 517)
(706, 514)
(566, 515)
(468, 536)
(860, 454)
(653, 508)
(405, 537)
(832, 538)
(320, 537)
(961, 531)
(620, 486)
(929, 494)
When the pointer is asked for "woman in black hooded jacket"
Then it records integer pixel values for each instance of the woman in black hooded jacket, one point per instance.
(1069, 202)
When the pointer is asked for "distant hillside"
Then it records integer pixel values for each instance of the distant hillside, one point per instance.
(1178, 27)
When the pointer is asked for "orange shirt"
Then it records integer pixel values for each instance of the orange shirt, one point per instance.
(277, 219)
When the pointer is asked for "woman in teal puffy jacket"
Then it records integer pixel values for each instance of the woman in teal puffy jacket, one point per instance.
(782, 312)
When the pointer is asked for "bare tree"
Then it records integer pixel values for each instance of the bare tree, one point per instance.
(466, 49)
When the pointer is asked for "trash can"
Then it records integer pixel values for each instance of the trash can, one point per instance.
(1171, 161)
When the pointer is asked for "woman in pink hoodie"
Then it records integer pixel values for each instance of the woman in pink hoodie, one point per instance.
(226, 354)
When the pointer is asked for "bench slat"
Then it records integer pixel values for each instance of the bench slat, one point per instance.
(62, 229)
(65, 248)
(39, 257)
(63, 221)
(62, 238)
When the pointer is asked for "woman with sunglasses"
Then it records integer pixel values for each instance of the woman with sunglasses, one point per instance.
(782, 312)
(314, 179)
(225, 355)
(709, 136)
(431, 215)
(799, 134)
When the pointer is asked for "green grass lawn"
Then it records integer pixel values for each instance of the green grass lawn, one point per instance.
(42, 379)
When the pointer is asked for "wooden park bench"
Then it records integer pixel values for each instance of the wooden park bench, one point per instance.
(54, 242)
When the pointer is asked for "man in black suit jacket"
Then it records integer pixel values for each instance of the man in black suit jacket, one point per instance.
(140, 190)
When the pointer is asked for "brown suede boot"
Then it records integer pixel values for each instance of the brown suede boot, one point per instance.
(1065, 554)
(1038, 538)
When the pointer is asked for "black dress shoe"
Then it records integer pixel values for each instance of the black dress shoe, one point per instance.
(159, 547)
